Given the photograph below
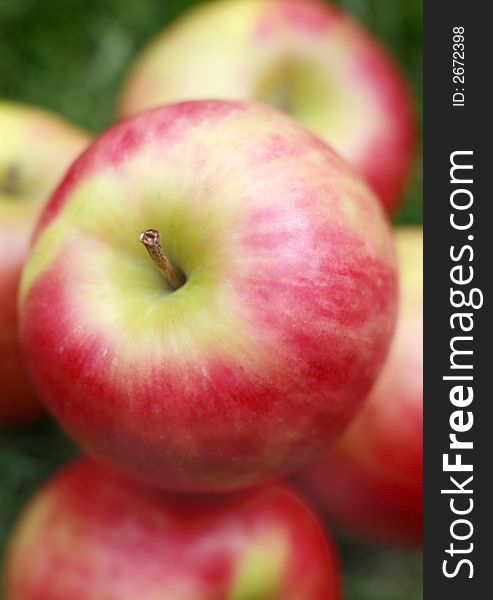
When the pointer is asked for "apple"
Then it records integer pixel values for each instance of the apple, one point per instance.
(92, 533)
(306, 57)
(247, 336)
(36, 147)
(371, 480)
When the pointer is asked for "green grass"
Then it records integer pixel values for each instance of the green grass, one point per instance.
(71, 56)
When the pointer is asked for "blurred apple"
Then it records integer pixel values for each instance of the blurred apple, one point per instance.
(371, 480)
(36, 147)
(306, 57)
(91, 533)
(238, 352)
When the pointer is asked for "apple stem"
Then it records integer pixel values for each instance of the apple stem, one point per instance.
(151, 239)
(10, 183)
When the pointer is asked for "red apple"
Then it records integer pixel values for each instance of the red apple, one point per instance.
(36, 147)
(306, 57)
(263, 355)
(91, 533)
(372, 480)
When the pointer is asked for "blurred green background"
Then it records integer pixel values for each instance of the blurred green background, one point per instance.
(71, 56)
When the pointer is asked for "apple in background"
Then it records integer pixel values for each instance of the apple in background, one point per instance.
(36, 147)
(91, 533)
(308, 58)
(248, 368)
(371, 480)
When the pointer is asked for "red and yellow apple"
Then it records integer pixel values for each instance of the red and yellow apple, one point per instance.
(371, 480)
(91, 533)
(262, 356)
(306, 57)
(36, 147)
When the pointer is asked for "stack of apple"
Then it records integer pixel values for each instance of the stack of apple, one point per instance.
(209, 297)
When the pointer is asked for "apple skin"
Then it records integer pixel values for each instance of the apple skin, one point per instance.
(371, 480)
(249, 369)
(307, 57)
(36, 148)
(92, 533)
